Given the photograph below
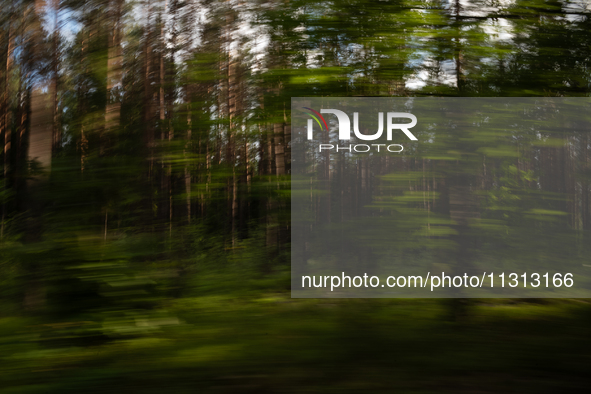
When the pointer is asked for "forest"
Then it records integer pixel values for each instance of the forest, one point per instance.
(145, 195)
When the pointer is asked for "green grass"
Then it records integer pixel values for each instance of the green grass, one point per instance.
(270, 343)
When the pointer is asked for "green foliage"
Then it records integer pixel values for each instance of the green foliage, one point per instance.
(152, 254)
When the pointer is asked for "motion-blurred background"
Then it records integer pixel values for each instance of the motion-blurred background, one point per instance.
(144, 195)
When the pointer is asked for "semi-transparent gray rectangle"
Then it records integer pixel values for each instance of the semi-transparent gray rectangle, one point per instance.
(441, 197)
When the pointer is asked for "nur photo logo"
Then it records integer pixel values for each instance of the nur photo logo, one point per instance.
(392, 120)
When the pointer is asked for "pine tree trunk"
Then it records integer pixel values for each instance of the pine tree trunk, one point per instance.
(5, 113)
(114, 74)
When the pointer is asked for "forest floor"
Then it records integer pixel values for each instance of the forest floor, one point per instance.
(266, 342)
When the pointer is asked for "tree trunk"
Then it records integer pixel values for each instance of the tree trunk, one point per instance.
(114, 74)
